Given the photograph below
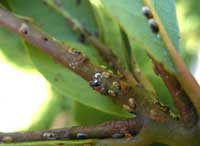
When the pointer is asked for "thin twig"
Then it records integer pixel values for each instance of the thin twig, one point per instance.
(113, 129)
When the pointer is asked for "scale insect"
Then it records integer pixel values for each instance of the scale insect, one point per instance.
(152, 23)
(147, 12)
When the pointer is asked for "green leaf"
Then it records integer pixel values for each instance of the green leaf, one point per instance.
(85, 115)
(82, 13)
(110, 33)
(188, 14)
(13, 50)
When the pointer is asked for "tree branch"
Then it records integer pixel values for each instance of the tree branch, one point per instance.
(113, 129)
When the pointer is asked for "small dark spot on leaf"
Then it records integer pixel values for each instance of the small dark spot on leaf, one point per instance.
(44, 2)
(81, 38)
(78, 2)
(58, 77)
(60, 144)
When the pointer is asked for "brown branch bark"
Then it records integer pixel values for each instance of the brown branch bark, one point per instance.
(113, 129)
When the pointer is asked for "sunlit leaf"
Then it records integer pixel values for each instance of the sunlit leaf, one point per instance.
(13, 49)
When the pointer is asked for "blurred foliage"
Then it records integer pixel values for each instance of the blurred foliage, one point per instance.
(189, 22)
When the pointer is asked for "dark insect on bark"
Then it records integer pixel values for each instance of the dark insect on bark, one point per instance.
(81, 38)
(153, 25)
(50, 136)
(147, 12)
(45, 39)
(95, 83)
(81, 136)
